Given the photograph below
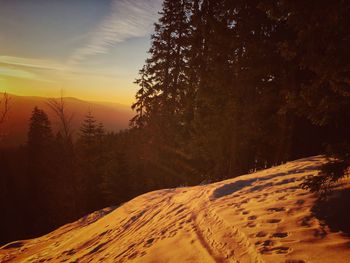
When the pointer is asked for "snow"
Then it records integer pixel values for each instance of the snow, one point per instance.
(259, 217)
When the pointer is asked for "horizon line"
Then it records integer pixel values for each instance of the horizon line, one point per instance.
(68, 97)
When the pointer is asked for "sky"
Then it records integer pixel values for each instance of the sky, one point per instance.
(89, 49)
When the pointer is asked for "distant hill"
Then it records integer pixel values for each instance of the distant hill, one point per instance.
(114, 116)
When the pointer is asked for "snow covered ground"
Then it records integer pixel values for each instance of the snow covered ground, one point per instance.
(260, 217)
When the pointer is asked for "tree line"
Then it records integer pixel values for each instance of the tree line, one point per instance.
(233, 86)
(54, 179)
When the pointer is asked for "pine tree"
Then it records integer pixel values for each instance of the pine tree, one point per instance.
(88, 130)
(100, 132)
(40, 134)
(162, 79)
(116, 183)
(40, 173)
(320, 55)
(160, 105)
(91, 160)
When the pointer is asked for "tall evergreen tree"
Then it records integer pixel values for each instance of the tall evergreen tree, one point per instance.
(88, 130)
(40, 133)
(320, 54)
(40, 175)
(116, 183)
(164, 91)
(90, 158)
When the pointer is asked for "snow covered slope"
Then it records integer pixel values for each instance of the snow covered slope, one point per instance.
(260, 217)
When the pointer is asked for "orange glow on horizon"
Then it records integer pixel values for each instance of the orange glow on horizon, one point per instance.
(90, 88)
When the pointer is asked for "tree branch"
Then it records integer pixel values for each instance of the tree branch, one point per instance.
(59, 108)
(4, 107)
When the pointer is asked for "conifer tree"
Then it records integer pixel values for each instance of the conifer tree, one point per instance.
(40, 134)
(91, 158)
(163, 93)
(116, 183)
(320, 55)
(40, 173)
(88, 130)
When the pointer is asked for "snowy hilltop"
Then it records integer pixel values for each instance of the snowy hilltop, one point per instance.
(259, 217)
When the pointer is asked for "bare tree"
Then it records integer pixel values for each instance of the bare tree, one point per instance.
(4, 110)
(59, 108)
(4, 107)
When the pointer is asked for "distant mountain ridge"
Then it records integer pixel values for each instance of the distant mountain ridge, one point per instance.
(114, 116)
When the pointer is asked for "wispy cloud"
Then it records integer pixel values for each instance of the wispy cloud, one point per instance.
(28, 67)
(127, 19)
(31, 63)
(18, 73)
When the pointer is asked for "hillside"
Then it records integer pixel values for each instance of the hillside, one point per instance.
(259, 217)
(114, 116)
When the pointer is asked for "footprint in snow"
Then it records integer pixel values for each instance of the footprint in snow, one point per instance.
(273, 221)
(280, 234)
(276, 209)
(261, 234)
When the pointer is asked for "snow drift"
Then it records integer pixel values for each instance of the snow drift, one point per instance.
(260, 217)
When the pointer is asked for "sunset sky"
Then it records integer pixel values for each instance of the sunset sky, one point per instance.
(90, 49)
